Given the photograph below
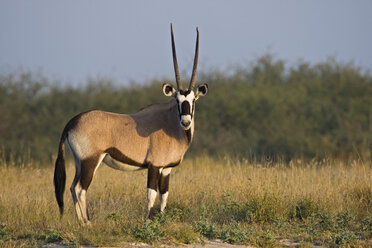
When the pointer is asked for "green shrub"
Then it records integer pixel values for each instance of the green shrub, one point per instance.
(206, 228)
(345, 239)
(345, 220)
(49, 236)
(149, 232)
(367, 226)
(114, 217)
(229, 210)
(367, 223)
(181, 232)
(326, 222)
(267, 239)
(175, 212)
(4, 233)
(261, 208)
(235, 234)
(305, 208)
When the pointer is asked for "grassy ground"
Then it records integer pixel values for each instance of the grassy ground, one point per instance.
(325, 202)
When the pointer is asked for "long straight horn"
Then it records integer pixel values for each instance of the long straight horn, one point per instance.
(176, 71)
(193, 75)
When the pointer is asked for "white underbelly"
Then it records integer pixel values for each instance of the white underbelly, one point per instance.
(115, 164)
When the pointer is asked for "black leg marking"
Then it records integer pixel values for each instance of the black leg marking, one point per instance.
(153, 177)
(163, 187)
(88, 166)
(163, 184)
(87, 171)
(152, 187)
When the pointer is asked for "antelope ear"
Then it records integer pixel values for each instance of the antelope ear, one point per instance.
(201, 90)
(168, 89)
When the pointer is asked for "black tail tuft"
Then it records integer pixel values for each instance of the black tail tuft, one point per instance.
(60, 176)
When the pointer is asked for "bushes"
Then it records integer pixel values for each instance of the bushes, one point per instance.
(264, 109)
(149, 232)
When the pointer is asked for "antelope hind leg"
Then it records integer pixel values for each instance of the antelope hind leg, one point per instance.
(88, 169)
(75, 192)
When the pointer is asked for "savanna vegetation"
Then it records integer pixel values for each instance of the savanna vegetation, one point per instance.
(262, 110)
(327, 202)
(279, 153)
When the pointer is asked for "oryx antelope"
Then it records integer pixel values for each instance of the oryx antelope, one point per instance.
(155, 138)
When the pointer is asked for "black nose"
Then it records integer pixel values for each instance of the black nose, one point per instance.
(186, 123)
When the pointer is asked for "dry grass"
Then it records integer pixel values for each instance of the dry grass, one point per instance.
(235, 201)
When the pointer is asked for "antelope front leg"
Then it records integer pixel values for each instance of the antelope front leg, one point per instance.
(152, 187)
(163, 187)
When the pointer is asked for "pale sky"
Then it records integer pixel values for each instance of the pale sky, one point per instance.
(130, 40)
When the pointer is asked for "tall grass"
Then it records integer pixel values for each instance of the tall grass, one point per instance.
(328, 202)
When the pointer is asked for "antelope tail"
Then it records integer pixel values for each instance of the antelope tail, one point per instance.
(60, 174)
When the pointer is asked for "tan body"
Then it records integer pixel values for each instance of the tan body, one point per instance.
(152, 136)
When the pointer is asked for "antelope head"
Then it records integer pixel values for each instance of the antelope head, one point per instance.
(185, 98)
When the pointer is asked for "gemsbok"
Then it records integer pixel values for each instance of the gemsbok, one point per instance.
(155, 138)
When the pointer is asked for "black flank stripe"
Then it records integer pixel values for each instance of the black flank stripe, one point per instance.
(118, 155)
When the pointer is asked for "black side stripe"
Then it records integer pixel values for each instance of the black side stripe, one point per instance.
(118, 155)
(171, 165)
